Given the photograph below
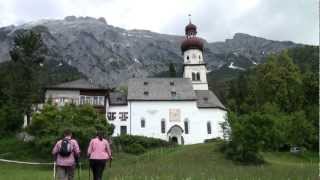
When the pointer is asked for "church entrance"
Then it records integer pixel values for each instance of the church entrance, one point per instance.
(175, 135)
(174, 140)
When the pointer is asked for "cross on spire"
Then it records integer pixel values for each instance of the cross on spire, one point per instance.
(189, 18)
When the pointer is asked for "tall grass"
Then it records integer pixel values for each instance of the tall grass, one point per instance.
(195, 162)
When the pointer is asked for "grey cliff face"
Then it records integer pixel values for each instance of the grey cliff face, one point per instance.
(110, 55)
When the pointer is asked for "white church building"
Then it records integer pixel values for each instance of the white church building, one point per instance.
(177, 109)
(182, 110)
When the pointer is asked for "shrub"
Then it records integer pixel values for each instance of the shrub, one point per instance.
(134, 148)
(48, 125)
(137, 144)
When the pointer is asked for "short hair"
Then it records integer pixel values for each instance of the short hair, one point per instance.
(67, 132)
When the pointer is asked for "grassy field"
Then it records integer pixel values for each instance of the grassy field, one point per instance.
(194, 162)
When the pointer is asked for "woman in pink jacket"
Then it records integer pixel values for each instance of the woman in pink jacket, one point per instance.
(99, 152)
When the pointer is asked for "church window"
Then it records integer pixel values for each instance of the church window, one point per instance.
(198, 76)
(143, 123)
(146, 93)
(187, 57)
(186, 126)
(209, 127)
(171, 83)
(199, 57)
(145, 83)
(123, 130)
(173, 93)
(163, 126)
(193, 76)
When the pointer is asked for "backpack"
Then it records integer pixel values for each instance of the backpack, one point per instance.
(65, 148)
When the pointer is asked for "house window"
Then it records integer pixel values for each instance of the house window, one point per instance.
(209, 127)
(143, 123)
(199, 57)
(198, 76)
(146, 93)
(145, 83)
(163, 126)
(205, 99)
(123, 130)
(173, 93)
(95, 100)
(87, 100)
(82, 99)
(101, 100)
(119, 99)
(186, 126)
(123, 116)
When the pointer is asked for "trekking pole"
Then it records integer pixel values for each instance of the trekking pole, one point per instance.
(54, 170)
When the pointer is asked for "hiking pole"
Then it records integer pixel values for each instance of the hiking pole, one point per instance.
(54, 170)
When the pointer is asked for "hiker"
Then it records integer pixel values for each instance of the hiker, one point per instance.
(99, 153)
(66, 153)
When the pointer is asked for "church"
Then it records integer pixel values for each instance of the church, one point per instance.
(182, 110)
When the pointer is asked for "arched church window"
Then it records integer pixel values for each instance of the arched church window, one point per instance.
(193, 76)
(209, 127)
(198, 76)
(143, 123)
(163, 126)
(186, 126)
(187, 57)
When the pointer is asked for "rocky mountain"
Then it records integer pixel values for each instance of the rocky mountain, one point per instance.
(110, 55)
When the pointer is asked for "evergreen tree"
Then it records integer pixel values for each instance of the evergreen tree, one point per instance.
(27, 57)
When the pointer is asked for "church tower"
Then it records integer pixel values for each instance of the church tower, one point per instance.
(194, 65)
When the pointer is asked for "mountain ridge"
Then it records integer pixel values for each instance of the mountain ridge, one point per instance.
(110, 55)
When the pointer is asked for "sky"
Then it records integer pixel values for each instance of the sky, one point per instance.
(217, 20)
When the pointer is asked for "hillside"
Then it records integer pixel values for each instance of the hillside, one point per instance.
(110, 55)
(192, 162)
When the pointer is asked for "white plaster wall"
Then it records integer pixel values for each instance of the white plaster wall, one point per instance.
(117, 122)
(197, 85)
(154, 111)
(194, 55)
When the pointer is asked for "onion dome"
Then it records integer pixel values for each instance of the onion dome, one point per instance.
(192, 43)
(191, 29)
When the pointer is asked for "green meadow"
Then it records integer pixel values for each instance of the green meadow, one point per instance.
(190, 162)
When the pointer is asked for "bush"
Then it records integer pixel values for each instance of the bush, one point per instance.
(134, 148)
(218, 139)
(137, 144)
(48, 125)
(11, 119)
(248, 136)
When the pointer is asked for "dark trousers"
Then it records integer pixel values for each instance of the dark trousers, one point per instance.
(97, 166)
